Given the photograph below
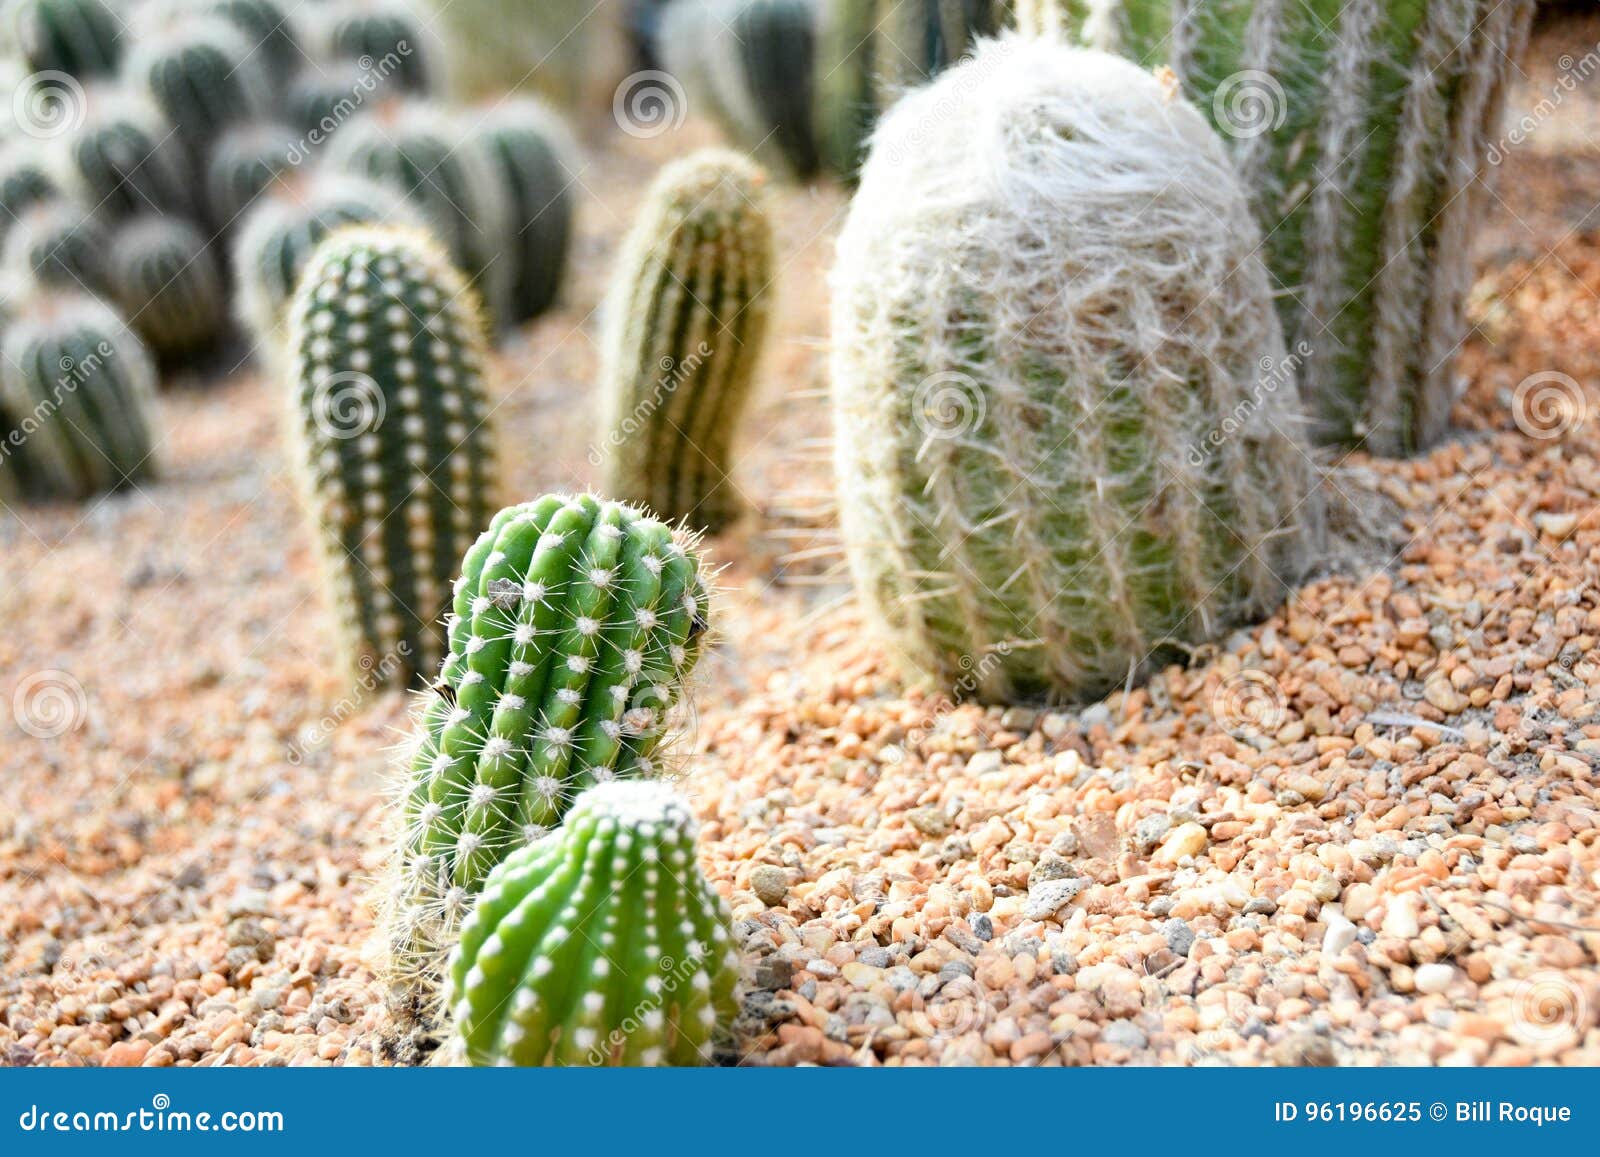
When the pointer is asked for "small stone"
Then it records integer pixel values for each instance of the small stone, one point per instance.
(1434, 978)
(770, 884)
(127, 1054)
(1124, 1033)
(1400, 921)
(1045, 899)
(861, 975)
(1180, 937)
(929, 821)
(1340, 934)
(1184, 842)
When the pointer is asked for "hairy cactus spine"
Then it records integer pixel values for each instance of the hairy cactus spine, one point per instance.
(166, 280)
(1030, 399)
(575, 623)
(75, 395)
(685, 323)
(1364, 131)
(386, 350)
(82, 38)
(603, 944)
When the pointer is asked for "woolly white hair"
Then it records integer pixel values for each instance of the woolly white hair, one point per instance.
(1065, 421)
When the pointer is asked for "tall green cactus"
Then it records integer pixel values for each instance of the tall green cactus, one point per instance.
(576, 621)
(603, 944)
(125, 160)
(204, 76)
(917, 39)
(685, 322)
(387, 359)
(1064, 417)
(60, 246)
(75, 400)
(167, 282)
(82, 38)
(1364, 132)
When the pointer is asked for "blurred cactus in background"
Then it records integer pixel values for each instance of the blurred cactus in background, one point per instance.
(165, 278)
(572, 52)
(124, 159)
(246, 162)
(58, 245)
(82, 38)
(389, 38)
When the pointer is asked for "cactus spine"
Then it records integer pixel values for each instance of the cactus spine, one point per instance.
(1039, 478)
(1364, 132)
(82, 38)
(575, 623)
(167, 282)
(387, 355)
(603, 944)
(59, 246)
(685, 323)
(75, 400)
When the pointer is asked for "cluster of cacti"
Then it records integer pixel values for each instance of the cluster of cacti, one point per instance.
(82, 38)
(123, 160)
(601, 945)
(386, 37)
(386, 353)
(165, 278)
(685, 323)
(575, 623)
(1362, 131)
(75, 409)
(1048, 318)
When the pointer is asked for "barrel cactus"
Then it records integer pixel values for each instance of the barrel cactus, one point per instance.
(25, 180)
(842, 86)
(167, 282)
(1363, 131)
(75, 400)
(389, 38)
(124, 159)
(204, 76)
(915, 40)
(576, 622)
(82, 38)
(533, 154)
(246, 162)
(322, 96)
(270, 26)
(602, 944)
(1064, 416)
(387, 357)
(59, 245)
(685, 323)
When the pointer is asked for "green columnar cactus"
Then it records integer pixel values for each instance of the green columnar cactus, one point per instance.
(25, 181)
(387, 355)
(387, 38)
(846, 103)
(124, 160)
(416, 149)
(603, 944)
(917, 39)
(246, 162)
(1063, 414)
(1057, 18)
(59, 246)
(168, 284)
(82, 38)
(204, 76)
(533, 155)
(281, 231)
(576, 622)
(75, 390)
(1364, 131)
(685, 323)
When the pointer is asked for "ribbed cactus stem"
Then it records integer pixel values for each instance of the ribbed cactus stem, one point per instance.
(246, 162)
(1064, 416)
(602, 944)
(204, 76)
(387, 357)
(166, 280)
(82, 38)
(25, 181)
(125, 160)
(686, 319)
(386, 37)
(59, 246)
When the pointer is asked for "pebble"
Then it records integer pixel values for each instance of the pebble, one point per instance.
(1045, 899)
(1433, 978)
(770, 884)
(1184, 842)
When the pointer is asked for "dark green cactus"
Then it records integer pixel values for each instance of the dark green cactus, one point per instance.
(685, 323)
(204, 76)
(82, 38)
(125, 161)
(386, 37)
(246, 162)
(166, 280)
(59, 246)
(603, 944)
(269, 25)
(75, 400)
(533, 154)
(324, 95)
(576, 622)
(387, 357)
(25, 181)
(845, 98)
(918, 39)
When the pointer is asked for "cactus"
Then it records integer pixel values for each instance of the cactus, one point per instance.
(281, 231)
(124, 161)
(163, 276)
(269, 26)
(246, 162)
(533, 155)
(204, 76)
(25, 181)
(685, 324)
(323, 96)
(75, 400)
(416, 150)
(1364, 132)
(845, 100)
(59, 246)
(603, 944)
(386, 350)
(576, 622)
(917, 39)
(387, 38)
(1061, 19)
(82, 38)
(1063, 414)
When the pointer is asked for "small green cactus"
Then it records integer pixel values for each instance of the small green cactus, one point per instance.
(59, 246)
(534, 156)
(166, 280)
(204, 76)
(75, 400)
(685, 323)
(324, 95)
(386, 353)
(246, 162)
(388, 38)
(25, 181)
(124, 160)
(576, 622)
(603, 944)
(82, 38)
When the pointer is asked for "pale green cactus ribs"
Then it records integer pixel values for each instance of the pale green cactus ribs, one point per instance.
(685, 322)
(576, 622)
(57, 245)
(75, 400)
(1364, 131)
(1064, 418)
(386, 353)
(204, 76)
(82, 38)
(166, 280)
(602, 944)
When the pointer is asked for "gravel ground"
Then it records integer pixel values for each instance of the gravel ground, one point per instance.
(1362, 832)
